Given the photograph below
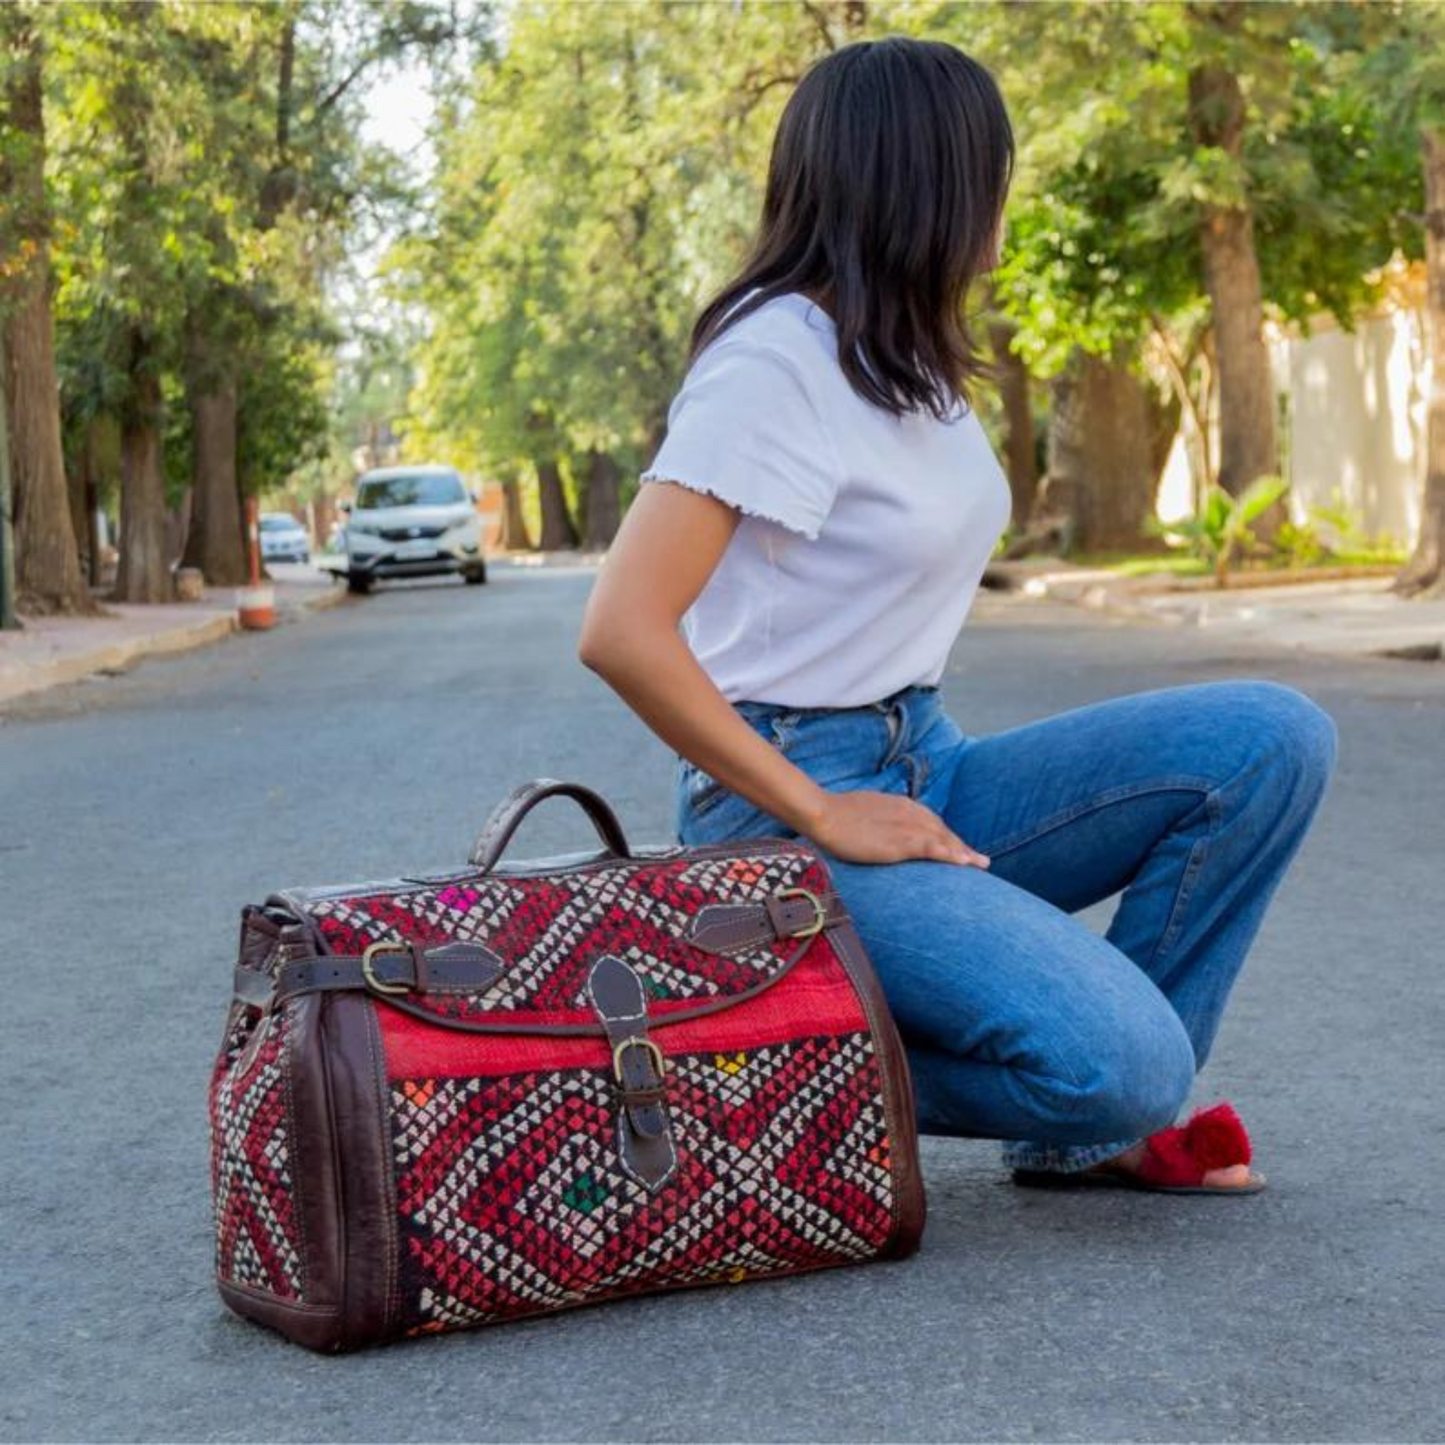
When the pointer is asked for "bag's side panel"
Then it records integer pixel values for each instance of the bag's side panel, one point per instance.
(368, 1247)
(258, 1240)
(272, 1164)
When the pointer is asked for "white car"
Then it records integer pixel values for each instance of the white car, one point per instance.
(283, 538)
(412, 522)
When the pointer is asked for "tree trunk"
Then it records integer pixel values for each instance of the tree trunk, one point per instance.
(1248, 447)
(92, 474)
(145, 574)
(1424, 574)
(216, 541)
(47, 560)
(513, 536)
(1103, 455)
(604, 501)
(323, 515)
(1020, 456)
(557, 529)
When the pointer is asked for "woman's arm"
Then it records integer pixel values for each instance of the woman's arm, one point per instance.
(668, 546)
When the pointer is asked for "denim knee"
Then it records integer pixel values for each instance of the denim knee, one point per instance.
(1293, 734)
(1129, 1083)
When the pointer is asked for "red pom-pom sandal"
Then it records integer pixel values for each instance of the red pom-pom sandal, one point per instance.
(1175, 1160)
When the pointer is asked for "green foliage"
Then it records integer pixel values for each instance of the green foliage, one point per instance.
(598, 180)
(1223, 526)
(1297, 544)
(1102, 242)
(206, 184)
(599, 169)
(1334, 534)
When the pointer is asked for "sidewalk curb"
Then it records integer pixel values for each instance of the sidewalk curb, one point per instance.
(41, 676)
(1092, 588)
(1332, 616)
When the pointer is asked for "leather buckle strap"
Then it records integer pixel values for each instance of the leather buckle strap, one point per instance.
(644, 1128)
(376, 984)
(388, 968)
(784, 919)
(788, 913)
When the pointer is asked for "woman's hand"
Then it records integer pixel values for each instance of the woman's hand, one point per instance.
(870, 827)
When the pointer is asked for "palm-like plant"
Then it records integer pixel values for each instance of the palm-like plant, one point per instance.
(1222, 526)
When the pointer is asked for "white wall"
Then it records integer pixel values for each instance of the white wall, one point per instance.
(1354, 425)
(1356, 420)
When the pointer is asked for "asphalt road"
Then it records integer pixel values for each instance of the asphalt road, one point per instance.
(138, 813)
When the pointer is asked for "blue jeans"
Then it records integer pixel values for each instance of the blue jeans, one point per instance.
(1020, 1022)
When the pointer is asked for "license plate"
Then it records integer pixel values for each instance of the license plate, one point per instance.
(416, 549)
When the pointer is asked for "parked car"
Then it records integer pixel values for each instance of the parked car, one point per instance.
(412, 522)
(283, 538)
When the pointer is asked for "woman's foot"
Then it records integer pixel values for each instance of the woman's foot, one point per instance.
(1208, 1155)
(1230, 1176)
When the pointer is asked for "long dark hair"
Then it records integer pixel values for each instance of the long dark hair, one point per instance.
(885, 191)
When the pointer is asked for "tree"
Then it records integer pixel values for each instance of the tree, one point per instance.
(1401, 53)
(1186, 167)
(602, 176)
(1424, 575)
(297, 175)
(50, 579)
(1218, 115)
(1106, 425)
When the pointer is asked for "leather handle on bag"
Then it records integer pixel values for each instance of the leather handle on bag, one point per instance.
(494, 837)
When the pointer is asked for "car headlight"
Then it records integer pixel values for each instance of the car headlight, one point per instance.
(363, 529)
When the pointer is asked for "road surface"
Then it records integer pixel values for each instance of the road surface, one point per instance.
(140, 811)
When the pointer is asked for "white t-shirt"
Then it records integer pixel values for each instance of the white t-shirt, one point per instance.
(863, 535)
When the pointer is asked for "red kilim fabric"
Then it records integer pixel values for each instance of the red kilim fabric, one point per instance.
(512, 1200)
(549, 930)
(257, 1240)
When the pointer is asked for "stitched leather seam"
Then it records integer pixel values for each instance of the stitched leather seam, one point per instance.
(391, 1296)
(298, 1212)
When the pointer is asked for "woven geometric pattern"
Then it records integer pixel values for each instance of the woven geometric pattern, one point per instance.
(512, 1199)
(549, 930)
(257, 1238)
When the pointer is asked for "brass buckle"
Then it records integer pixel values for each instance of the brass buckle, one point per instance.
(368, 973)
(820, 914)
(659, 1063)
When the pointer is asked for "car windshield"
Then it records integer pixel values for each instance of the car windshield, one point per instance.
(278, 524)
(412, 489)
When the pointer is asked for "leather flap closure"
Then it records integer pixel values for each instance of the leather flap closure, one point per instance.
(700, 929)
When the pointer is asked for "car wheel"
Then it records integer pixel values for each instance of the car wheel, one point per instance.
(475, 576)
(359, 582)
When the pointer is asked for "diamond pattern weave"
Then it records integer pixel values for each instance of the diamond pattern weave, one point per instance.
(257, 1239)
(549, 929)
(512, 1200)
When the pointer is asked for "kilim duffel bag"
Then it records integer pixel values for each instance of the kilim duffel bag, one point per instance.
(450, 1099)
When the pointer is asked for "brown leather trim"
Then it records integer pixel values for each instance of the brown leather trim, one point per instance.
(503, 1023)
(252, 989)
(447, 968)
(644, 1127)
(314, 1154)
(497, 831)
(297, 900)
(315, 1327)
(909, 1205)
(368, 1242)
(722, 927)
